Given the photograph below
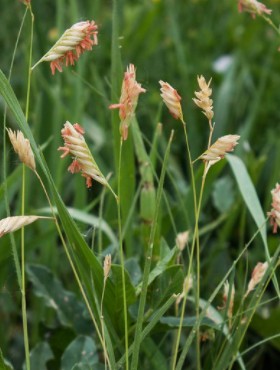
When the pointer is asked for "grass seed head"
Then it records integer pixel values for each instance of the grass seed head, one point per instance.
(182, 240)
(257, 275)
(131, 90)
(11, 224)
(202, 99)
(22, 147)
(218, 150)
(76, 146)
(171, 99)
(107, 265)
(274, 214)
(71, 45)
(253, 7)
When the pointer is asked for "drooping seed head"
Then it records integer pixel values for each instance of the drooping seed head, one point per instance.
(76, 146)
(171, 99)
(202, 99)
(274, 214)
(22, 147)
(130, 92)
(71, 45)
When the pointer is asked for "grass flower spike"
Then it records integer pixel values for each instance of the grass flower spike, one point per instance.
(257, 276)
(131, 90)
(22, 147)
(228, 300)
(107, 265)
(275, 211)
(202, 99)
(74, 42)
(76, 146)
(218, 150)
(254, 7)
(171, 99)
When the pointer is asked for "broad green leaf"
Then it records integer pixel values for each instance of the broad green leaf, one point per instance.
(68, 308)
(40, 355)
(251, 199)
(82, 352)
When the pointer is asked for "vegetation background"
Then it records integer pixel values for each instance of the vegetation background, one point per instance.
(166, 40)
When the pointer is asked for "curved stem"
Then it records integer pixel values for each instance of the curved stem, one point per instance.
(118, 200)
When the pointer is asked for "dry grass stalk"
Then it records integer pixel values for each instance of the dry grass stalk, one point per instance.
(11, 224)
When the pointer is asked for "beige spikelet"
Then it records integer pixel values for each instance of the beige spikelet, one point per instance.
(22, 147)
(171, 99)
(107, 265)
(257, 275)
(74, 42)
(218, 150)
(83, 161)
(203, 100)
(11, 224)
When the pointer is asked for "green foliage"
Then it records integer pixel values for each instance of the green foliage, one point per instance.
(76, 319)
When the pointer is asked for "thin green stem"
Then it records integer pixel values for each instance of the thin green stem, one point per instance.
(194, 240)
(102, 325)
(118, 200)
(147, 267)
(23, 290)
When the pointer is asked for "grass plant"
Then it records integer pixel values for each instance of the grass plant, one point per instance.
(157, 248)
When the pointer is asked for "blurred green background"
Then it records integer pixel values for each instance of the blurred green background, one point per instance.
(170, 40)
